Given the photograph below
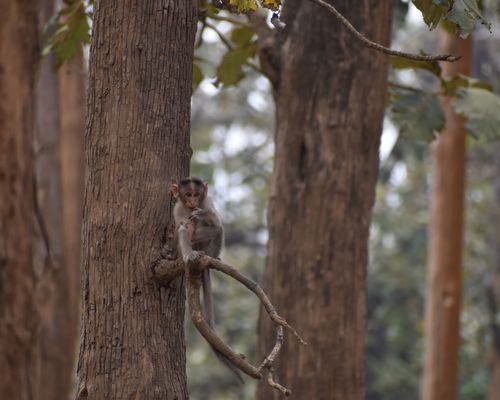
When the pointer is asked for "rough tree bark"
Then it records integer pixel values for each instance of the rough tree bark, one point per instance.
(136, 143)
(18, 311)
(330, 93)
(444, 283)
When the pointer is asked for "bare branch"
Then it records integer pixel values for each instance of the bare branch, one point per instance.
(164, 271)
(368, 43)
(269, 62)
(229, 46)
(193, 295)
(276, 385)
(269, 360)
(258, 21)
(208, 262)
(218, 17)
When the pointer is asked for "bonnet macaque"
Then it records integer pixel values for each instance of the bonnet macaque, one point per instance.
(199, 231)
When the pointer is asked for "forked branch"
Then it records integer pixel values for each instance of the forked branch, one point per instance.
(166, 270)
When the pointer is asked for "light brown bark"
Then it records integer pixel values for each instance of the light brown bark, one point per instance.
(494, 285)
(18, 311)
(136, 144)
(330, 105)
(58, 280)
(71, 81)
(444, 284)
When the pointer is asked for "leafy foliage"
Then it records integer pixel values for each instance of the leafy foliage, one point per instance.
(230, 70)
(197, 75)
(481, 109)
(71, 29)
(451, 85)
(462, 13)
(465, 13)
(404, 63)
(418, 115)
(432, 10)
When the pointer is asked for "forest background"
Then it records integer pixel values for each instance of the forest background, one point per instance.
(232, 138)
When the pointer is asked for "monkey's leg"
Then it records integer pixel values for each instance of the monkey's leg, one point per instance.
(185, 234)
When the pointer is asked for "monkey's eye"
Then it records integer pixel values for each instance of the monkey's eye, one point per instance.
(189, 195)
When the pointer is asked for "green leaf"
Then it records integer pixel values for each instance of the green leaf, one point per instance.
(402, 63)
(197, 76)
(481, 110)
(418, 115)
(451, 85)
(465, 13)
(230, 70)
(71, 31)
(432, 10)
(242, 36)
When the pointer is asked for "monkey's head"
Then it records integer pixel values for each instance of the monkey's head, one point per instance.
(191, 191)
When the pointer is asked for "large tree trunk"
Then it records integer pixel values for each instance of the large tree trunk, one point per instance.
(444, 283)
(136, 143)
(330, 107)
(18, 308)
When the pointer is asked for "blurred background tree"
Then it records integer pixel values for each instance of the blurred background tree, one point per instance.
(232, 138)
(233, 143)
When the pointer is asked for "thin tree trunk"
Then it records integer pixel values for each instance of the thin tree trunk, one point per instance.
(71, 79)
(136, 143)
(18, 309)
(444, 284)
(57, 288)
(494, 288)
(330, 107)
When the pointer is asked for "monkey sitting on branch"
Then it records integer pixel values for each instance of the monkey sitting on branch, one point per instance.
(199, 232)
(199, 237)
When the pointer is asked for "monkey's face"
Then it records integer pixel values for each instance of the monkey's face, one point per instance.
(192, 198)
(191, 191)
(192, 194)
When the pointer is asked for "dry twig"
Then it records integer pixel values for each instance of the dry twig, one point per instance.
(368, 43)
(276, 385)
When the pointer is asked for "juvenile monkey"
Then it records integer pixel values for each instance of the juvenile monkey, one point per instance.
(199, 231)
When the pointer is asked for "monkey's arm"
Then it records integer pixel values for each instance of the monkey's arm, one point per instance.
(208, 234)
(184, 234)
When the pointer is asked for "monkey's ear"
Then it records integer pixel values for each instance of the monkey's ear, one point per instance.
(205, 185)
(174, 190)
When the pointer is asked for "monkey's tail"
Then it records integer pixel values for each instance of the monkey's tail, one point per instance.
(208, 310)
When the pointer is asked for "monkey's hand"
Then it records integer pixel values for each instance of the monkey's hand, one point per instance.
(193, 256)
(197, 215)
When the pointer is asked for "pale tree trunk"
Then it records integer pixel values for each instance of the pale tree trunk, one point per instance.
(330, 106)
(18, 309)
(444, 284)
(136, 143)
(494, 288)
(57, 287)
(71, 79)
